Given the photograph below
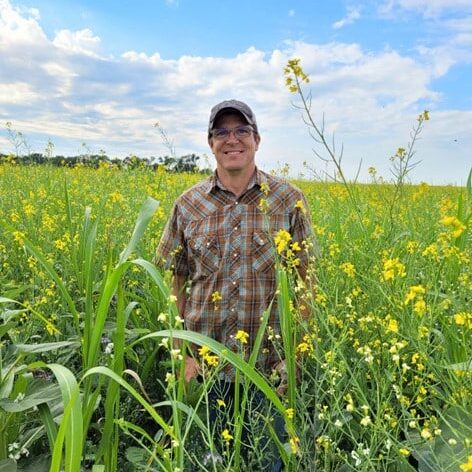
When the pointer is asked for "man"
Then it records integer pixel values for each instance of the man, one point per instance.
(220, 239)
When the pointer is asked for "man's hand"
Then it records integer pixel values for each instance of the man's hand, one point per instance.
(281, 369)
(192, 369)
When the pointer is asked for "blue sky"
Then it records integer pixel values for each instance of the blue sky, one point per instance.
(101, 73)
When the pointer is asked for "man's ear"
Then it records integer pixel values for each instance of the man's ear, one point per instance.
(257, 138)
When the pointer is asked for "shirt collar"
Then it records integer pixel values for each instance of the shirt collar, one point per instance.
(214, 182)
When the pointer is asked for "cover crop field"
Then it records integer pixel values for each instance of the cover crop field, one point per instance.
(89, 377)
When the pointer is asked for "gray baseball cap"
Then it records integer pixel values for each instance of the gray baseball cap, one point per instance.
(236, 105)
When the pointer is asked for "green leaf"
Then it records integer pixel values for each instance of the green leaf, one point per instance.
(6, 327)
(145, 215)
(45, 347)
(47, 392)
(455, 423)
(8, 465)
(189, 411)
(233, 358)
(462, 366)
(136, 455)
(71, 428)
(137, 396)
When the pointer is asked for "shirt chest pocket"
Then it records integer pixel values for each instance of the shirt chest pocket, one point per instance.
(205, 255)
(263, 253)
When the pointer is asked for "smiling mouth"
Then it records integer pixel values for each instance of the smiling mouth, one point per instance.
(233, 153)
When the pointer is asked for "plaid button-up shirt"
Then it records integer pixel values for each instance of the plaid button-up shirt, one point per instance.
(224, 246)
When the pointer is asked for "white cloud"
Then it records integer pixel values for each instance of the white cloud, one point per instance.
(17, 92)
(19, 28)
(291, 13)
(82, 41)
(428, 8)
(353, 14)
(62, 89)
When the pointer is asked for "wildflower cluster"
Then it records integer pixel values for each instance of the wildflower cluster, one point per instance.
(294, 75)
(211, 359)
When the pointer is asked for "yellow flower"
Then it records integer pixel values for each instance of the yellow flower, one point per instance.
(420, 307)
(242, 336)
(221, 403)
(404, 452)
(265, 189)
(211, 359)
(294, 74)
(263, 205)
(321, 298)
(413, 292)
(294, 441)
(392, 326)
(348, 268)
(290, 413)
(215, 298)
(203, 351)
(19, 236)
(51, 329)
(116, 197)
(467, 466)
(281, 239)
(226, 435)
(392, 268)
(463, 319)
(411, 247)
(457, 227)
(300, 206)
(176, 355)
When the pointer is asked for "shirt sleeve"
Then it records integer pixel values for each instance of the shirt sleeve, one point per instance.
(171, 252)
(302, 231)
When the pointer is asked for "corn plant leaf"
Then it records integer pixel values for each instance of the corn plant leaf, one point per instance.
(145, 215)
(71, 428)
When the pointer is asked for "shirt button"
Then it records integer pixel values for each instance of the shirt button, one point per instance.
(234, 282)
(236, 228)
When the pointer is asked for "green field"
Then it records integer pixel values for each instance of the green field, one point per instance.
(385, 378)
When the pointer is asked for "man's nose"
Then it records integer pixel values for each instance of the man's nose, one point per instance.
(232, 137)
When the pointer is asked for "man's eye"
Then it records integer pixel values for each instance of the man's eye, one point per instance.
(220, 133)
(243, 132)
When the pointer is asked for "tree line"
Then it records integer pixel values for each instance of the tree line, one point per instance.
(186, 163)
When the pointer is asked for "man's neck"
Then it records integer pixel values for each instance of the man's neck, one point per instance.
(236, 181)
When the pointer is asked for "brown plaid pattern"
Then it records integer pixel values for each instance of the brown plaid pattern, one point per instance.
(224, 244)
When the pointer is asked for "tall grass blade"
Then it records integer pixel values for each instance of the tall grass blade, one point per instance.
(105, 371)
(145, 215)
(71, 429)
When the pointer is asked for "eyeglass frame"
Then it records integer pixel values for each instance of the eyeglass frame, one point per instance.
(232, 130)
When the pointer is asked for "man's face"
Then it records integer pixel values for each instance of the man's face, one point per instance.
(234, 154)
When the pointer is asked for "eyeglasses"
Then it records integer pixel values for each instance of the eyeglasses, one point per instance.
(239, 132)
